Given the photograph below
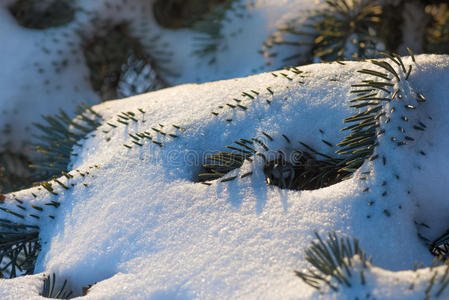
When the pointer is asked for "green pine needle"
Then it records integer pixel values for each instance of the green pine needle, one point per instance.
(59, 134)
(50, 290)
(19, 247)
(340, 30)
(120, 65)
(332, 262)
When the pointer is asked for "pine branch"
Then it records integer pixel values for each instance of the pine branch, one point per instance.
(120, 64)
(372, 117)
(334, 263)
(208, 43)
(303, 169)
(341, 30)
(50, 290)
(59, 134)
(19, 247)
(14, 172)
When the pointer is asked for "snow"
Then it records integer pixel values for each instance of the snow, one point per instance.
(46, 69)
(135, 223)
(143, 228)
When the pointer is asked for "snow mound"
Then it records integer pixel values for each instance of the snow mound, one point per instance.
(134, 221)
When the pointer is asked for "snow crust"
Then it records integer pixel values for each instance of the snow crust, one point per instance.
(137, 225)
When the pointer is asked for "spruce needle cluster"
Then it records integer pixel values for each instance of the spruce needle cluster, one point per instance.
(59, 134)
(120, 64)
(334, 262)
(342, 29)
(19, 247)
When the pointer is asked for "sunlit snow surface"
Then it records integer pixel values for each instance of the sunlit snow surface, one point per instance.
(138, 226)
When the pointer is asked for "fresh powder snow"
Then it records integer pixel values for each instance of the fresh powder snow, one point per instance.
(137, 223)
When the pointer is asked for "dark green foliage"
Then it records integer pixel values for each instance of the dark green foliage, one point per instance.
(304, 169)
(217, 165)
(440, 246)
(291, 34)
(345, 29)
(54, 145)
(42, 14)
(141, 138)
(341, 262)
(14, 172)
(366, 123)
(438, 282)
(309, 170)
(59, 134)
(437, 38)
(119, 64)
(341, 30)
(333, 262)
(51, 291)
(209, 27)
(388, 29)
(359, 29)
(183, 13)
(19, 247)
